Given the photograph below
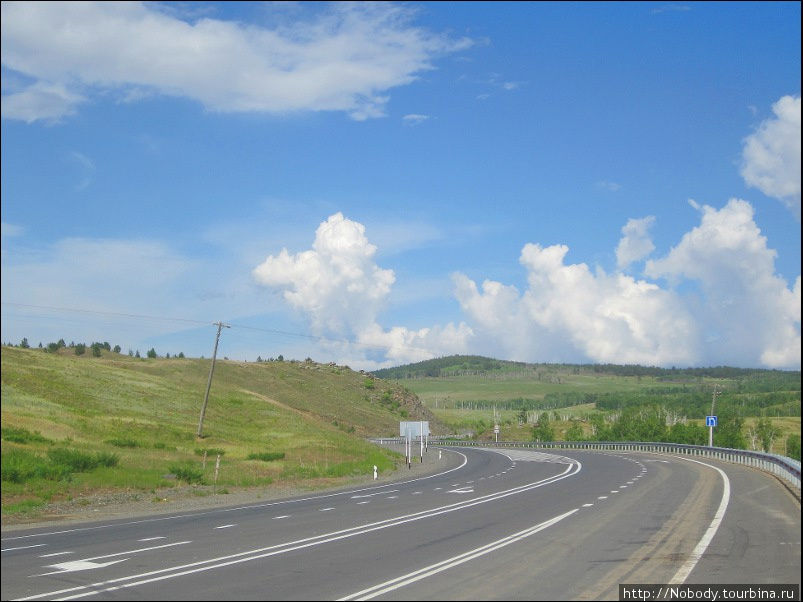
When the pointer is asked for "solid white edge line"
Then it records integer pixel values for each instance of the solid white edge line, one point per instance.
(571, 470)
(688, 566)
(194, 514)
(428, 571)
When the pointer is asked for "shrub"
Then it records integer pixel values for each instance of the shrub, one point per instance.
(266, 456)
(22, 435)
(74, 460)
(19, 466)
(188, 474)
(210, 451)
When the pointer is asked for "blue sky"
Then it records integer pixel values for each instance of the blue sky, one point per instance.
(375, 184)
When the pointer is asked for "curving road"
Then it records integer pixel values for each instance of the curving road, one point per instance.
(492, 524)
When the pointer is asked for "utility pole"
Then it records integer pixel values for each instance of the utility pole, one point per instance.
(209, 382)
(711, 428)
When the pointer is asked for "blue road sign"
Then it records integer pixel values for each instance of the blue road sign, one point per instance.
(710, 420)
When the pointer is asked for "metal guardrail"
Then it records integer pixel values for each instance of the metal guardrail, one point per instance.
(781, 466)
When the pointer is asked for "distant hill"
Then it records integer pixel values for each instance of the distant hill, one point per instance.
(475, 365)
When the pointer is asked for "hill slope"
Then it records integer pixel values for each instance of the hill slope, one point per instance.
(307, 421)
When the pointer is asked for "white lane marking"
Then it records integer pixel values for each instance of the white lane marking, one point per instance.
(153, 538)
(603, 497)
(438, 567)
(247, 556)
(393, 497)
(587, 505)
(702, 545)
(55, 554)
(226, 526)
(615, 491)
(622, 486)
(366, 502)
(437, 488)
(78, 565)
(325, 509)
(235, 509)
(462, 490)
(39, 545)
(417, 492)
(282, 516)
(88, 563)
(355, 497)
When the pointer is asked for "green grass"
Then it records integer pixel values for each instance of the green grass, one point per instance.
(143, 415)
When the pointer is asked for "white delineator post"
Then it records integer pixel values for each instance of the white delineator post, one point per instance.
(374, 472)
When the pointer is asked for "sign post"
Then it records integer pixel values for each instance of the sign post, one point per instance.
(710, 422)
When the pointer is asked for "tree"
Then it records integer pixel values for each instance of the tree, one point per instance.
(24, 343)
(151, 353)
(259, 359)
(52, 347)
(80, 349)
(542, 431)
(793, 446)
(575, 432)
(181, 354)
(61, 343)
(767, 432)
(117, 349)
(96, 347)
(137, 354)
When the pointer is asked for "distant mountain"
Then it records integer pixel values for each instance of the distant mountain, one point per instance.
(471, 365)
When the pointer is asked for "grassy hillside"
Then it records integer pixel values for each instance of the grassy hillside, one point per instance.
(465, 391)
(73, 425)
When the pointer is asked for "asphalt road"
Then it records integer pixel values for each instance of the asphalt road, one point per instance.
(491, 525)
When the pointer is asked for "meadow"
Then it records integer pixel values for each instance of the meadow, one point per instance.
(76, 425)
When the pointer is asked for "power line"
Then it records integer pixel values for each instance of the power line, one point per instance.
(317, 338)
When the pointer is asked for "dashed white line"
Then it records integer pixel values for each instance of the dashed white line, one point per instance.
(325, 509)
(39, 545)
(226, 526)
(587, 505)
(603, 497)
(152, 538)
(282, 516)
(55, 554)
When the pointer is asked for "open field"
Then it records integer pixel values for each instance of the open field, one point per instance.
(273, 423)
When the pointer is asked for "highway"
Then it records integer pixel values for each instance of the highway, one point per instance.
(489, 525)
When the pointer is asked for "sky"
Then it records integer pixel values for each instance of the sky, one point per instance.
(375, 184)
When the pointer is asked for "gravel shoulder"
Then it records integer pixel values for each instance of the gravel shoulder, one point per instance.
(181, 499)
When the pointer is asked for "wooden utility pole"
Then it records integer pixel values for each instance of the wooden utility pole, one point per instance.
(209, 382)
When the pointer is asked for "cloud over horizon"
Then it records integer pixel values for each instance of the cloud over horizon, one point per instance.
(722, 300)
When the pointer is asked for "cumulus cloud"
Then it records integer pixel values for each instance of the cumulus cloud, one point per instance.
(337, 283)
(635, 243)
(714, 298)
(345, 58)
(339, 287)
(569, 313)
(771, 156)
(749, 312)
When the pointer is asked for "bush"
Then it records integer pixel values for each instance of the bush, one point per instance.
(210, 451)
(74, 460)
(188, 474)
(20, 466)
(266, 456)
(21, 435)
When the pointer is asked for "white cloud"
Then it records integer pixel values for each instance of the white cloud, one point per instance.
(415, 119)
(750, 313)
(635, 243)
(344, 59)
(339, 287)
(9, 230)
(609, 186)
(40, 101)
(336, 283)
(569, 313)
(771, 156)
